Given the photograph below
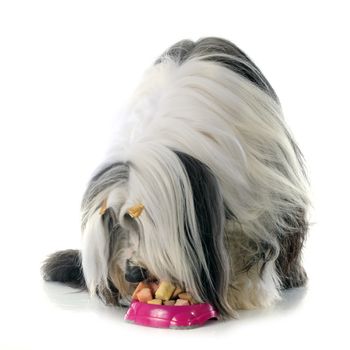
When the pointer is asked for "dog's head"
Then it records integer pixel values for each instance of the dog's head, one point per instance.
(158, 215)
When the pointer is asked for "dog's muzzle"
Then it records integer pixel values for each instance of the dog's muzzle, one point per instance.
(134, 273)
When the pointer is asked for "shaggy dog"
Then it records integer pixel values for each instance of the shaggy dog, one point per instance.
(204, 186)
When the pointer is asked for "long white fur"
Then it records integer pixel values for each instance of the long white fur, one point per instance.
(220, 118)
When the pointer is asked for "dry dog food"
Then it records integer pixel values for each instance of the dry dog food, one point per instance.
(145, 295)
(164, 293)
(181, 302)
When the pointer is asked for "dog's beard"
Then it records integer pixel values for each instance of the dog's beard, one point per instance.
(178, 237)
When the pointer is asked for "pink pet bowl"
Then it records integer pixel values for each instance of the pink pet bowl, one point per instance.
(164, 316)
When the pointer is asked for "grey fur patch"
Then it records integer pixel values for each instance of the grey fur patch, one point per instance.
(178, 52)
(64, 266)
(110, 175)
(291, 241)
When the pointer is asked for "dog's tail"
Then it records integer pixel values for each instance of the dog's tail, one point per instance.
(64, 266)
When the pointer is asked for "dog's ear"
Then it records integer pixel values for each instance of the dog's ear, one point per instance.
(212, 279)
(102, 183)
(99, 223)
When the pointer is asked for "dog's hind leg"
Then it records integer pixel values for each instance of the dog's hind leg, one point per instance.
(288, 264)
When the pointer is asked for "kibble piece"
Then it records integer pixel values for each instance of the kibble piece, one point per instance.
(176, 292)
(185, 296)
(155, 302)
(165, 290)
(169, 302)
(188, 297)
(181, 302)
(144, 295)
(140, 286)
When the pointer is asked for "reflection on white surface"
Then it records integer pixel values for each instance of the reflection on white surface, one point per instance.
(50, 313)
(70, 299)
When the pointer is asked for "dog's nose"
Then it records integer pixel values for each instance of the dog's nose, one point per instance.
(134, 273)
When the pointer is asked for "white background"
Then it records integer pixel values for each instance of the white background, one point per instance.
(67, 67)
